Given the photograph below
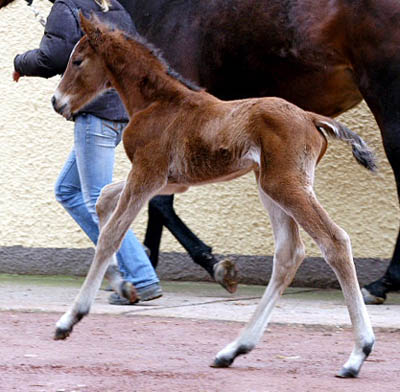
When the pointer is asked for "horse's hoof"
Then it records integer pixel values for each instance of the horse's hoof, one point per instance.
(221, 362)
(371, 299)
(227, 275)
(129, 292)
(61, 333)
(347, 373)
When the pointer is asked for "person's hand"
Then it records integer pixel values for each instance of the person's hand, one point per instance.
(16, 75)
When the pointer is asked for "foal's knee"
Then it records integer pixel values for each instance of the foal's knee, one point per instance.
(291, 254)
(341, 240)
(299, 252)
(338, 247)
(287, 259)
(106, 201)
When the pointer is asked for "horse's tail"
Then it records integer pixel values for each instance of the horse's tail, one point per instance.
(331, 128)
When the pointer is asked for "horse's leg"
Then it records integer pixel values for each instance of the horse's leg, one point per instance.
(380, 87)
(335, 246)
(161, 208)
(289, 253)
(375, 292)
(300, 202)
(132, 199)
(109, 198)
(155, 223)
(161, 212)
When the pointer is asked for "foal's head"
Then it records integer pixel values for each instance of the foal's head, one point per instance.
(85, 76)
(102, 57)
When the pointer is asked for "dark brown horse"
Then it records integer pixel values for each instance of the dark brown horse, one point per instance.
(180, 136)
(323, 55)
(3, 3)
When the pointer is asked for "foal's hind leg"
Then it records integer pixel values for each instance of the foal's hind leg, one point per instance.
(289, 253)
(130, 202)
(334, 243)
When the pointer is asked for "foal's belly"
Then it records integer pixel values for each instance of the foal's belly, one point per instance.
(199, 175)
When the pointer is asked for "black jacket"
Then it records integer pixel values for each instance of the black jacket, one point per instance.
(62, 32)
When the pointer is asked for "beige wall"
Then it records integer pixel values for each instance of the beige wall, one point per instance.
(35, 142)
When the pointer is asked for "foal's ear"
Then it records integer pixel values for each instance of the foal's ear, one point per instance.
(92, 28)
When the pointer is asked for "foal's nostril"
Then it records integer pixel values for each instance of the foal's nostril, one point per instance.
(59, 109)
(53, 102)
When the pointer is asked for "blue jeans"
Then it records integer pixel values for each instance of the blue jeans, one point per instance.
(87, 170)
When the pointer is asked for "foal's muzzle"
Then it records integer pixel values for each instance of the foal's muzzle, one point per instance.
(57, 108)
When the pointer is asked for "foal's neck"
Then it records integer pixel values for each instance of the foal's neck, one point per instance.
(141, 78)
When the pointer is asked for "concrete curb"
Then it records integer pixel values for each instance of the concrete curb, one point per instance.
(314, 272)
(195, 300)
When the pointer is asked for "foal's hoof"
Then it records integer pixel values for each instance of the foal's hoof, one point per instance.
(129, 292)
(61, 333)
(222, 362)
(227, 275)
(347, 373)
(371, 299)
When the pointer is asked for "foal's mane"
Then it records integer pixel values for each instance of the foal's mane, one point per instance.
(170, 71)
(149, 48)
(157, 53)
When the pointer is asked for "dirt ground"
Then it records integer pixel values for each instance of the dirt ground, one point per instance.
(149, 354)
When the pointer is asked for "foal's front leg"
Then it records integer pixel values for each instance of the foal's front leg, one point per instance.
(105, 206)
(289, 253)
(131, 201)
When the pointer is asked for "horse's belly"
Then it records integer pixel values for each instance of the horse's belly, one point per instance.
(329, 92)
(324, 89)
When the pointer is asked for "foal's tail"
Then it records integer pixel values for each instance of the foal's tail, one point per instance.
(331, 128)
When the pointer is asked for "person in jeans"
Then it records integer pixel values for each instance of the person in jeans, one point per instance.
(97, 131)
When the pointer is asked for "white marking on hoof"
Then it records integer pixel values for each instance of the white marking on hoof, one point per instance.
(63, 326)
(226, 274)
(371, 299)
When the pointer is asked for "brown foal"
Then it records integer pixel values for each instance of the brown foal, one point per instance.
(179, 136)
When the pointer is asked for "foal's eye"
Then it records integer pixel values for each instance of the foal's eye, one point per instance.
(77, 63)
